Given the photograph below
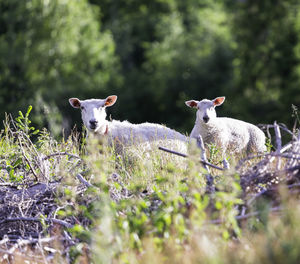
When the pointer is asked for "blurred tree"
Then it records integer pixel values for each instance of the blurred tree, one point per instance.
(49, 51)
(153, 55)
(170, 51)
(193, 59)
(265, 62)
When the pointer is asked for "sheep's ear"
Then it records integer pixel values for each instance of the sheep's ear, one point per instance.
(110, 100)
(192, 103)
(218, 101)
(75, 102)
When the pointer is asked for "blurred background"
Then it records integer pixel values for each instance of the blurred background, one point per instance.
(154, 55)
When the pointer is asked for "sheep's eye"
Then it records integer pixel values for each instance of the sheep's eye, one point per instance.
(82, 107)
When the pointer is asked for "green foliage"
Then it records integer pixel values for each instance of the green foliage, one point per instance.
(152, 55)
(21, 159)
(266, 59)
(269, 145)
(153, 209)
(169, 52)
(23, 123)
(10, 168)
(213, 153)
(49, 51)
(182, 63)
(166, 204)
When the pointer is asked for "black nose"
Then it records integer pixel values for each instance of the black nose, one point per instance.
(205, 119)
(93, 123)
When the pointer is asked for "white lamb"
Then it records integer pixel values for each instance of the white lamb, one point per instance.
(228, 134)
(124, 133)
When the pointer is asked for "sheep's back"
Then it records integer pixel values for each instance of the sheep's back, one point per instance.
(139, 140)
(236, 133)
(246, 136)
(129, 133)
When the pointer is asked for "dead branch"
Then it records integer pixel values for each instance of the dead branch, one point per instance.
(4, 240)
(245, 216)
(256, 196)
(22, 243)
(82, 180)
(27, 160)
(173, 152)
(12, 184)
(33, 147)
(186, 156)
(35, 219)
(61, 154)
(226, 164)
(278, 144)
(281, 126)
(278, 137)
(266, 155)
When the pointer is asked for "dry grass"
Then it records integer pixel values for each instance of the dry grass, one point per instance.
(62, 201)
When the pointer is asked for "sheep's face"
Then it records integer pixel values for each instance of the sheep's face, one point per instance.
(93, 111)
(206, 108)
(206, 111)
(93, 114)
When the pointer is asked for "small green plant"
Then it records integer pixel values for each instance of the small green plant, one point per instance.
(11, 169)
(23, 123)
(143, 208)
(269, 145)
(213, 152)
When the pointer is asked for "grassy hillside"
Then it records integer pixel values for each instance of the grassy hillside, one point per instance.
(76, 201)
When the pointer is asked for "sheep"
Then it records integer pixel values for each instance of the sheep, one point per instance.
(228, 134)
(125, 133)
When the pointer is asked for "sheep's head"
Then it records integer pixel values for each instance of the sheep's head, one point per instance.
(206, 108)
(93, 111)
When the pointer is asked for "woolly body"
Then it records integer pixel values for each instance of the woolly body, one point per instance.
(231, 135)
(226, 133)
(129, 133)
(125, 133)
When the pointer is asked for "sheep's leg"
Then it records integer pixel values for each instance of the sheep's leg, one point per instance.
(224, 161)
(226, 164)
(209, 179)
(200, 145)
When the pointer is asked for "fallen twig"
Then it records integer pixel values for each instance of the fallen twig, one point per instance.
(173, 152)
(271, 154)
(245, 216)
(35, 219)
(281, 126)
(29, 163)
(33, 147)
(4, 240)
(186, 156)
(278, 144)
(84, 181)
(256, 196)
(12, 184)
(61, 154)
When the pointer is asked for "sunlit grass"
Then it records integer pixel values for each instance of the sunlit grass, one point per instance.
(147, 206)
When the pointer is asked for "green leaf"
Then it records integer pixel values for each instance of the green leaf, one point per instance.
(218, 205)
(28, 111)
(17, 162)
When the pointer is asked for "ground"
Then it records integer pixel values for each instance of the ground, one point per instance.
(71, 201)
